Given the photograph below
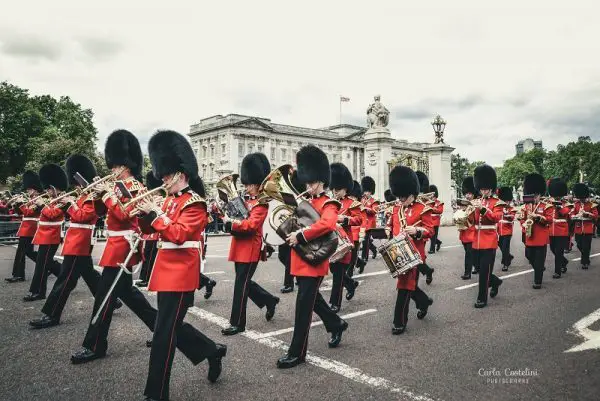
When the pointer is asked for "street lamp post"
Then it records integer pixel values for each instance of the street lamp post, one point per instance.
(438, 125)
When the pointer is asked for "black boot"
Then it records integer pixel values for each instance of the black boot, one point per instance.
(429, 278)
(287, 361)
(423, 312)
(350, 293)
(209, 288)
(33, 297)
(271, 310)
(232, 330)
(466, 276)
(286, 289)
(336, 336)
(14, 279)
(43, 322)
(86, 355)
(480, 304)
(396, 330)
(215, 363)
(494, 290)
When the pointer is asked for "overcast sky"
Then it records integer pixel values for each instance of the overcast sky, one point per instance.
(497, 74)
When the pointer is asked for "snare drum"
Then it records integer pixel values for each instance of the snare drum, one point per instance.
(345, 245)
(400, 255)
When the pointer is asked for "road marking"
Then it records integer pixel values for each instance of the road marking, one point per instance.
(330, 365)
(209, 273)
(317, 323)
(216, 256)
(377, 273)
(328, 288)
(501, 277)
(450, 246)
(581, 329)
(591, 256)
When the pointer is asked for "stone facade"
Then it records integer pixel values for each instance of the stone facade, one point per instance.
(221, 142)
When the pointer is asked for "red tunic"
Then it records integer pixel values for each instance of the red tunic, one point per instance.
(356, 229)
(467, 236)
(328, 209)
(436, 212)
(177, 264)
(371, 207)
(49, 226)
(353, 218)
(560, 223)
(486, 234)
(247, 235)
(83, 217)
(541, 229)
(585, 225)
(119, 227)
(31, 216)
(416, 214)
(505, 226)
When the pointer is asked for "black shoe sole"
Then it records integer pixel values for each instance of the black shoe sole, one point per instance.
(76, 361)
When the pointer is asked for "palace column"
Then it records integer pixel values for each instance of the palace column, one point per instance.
(439, 175)
(378, 151)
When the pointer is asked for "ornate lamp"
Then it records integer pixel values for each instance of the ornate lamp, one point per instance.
(438, 124)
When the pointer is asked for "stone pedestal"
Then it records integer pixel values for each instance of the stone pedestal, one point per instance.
(439, 175)
(378, 150)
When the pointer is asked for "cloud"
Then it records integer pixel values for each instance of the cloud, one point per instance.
(30, 47)
(100, 49)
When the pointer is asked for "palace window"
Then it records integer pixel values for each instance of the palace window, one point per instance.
(204, 151)
(272, 153)
(212, 150)
(223, 149)
(260, 148)
(241, 149)
(283, 155)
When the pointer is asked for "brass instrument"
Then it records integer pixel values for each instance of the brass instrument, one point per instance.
(18, 198)
(426, 198)
(42, 196)
(461, 217)
(76, 192)
(233, 204)
(151, 194)
(108, 178)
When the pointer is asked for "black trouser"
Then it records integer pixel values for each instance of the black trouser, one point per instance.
(468, 247)
(584, 244)
(309, 299)
(558, 246)
(150, 251)
(24, 248)
(485, 261)
(403, 304)
(434, 240)
(246, 288)
(368, 245)
(538, 259)
(340, 277)
(44, 265)
(423, 268)
(504, 245)
(284, 256)
(96, 336)
(72, 268)
(170, 331)
(353, 259)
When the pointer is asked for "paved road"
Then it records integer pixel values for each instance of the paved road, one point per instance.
(455, 353)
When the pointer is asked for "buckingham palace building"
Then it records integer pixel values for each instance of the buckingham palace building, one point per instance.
(221, 142)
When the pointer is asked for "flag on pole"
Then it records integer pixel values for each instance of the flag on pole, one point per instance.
(344, 99)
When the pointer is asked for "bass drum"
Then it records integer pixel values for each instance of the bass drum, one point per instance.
(277, 214)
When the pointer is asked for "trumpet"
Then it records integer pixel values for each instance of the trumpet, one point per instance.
(426, 198)
(75, 192)
(151, 194)
(108, 178)
(20, 198)
(42, 196)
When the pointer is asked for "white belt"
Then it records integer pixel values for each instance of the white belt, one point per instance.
(50, 223)
(30, 219)
(172, 245)
(77, 225)
(560, 220)
(481, 227)
(123, 233)
(506, 221)
(575, 219)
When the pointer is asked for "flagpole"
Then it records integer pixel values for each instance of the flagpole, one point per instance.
(340, 110)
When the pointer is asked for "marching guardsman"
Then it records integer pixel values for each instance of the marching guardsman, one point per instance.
(414, 218)
(424, 268)
(349, 216)
(150, 240)
(77, 245)
(584, 215)
(389, 198)
(437, 209)
(537, 218)
(314, 172)
(505, 226)
(356, 194)
(559, 230)
(31, 214)
(488, 212)
(180, 222)
(124, 158)
(371, 208)
(467, 235)
(48, 233)
(247, 246)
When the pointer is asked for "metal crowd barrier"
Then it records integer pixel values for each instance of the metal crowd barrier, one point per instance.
(9, 225)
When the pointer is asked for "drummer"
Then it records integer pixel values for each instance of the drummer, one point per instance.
(414, 218)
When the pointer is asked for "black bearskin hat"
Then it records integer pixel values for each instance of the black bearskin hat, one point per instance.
(197, 185)
(404, 182)
(255, 168)
(534, 184)
(389, 196)
(296, 183)
(581, 191)
(170, 153)
(484, 177)
(434, 189)
(356, 190)
(313, 165)
(31, 180)
(123, 149)
(82, 165)
(468, 187)
(341, 177)
(423, 181)
(368, 184)
(53, 175)
(505, 194)
(557, 188)
(151, 181)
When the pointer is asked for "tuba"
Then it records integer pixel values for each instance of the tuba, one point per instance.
(228, 198)
(289, 212)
